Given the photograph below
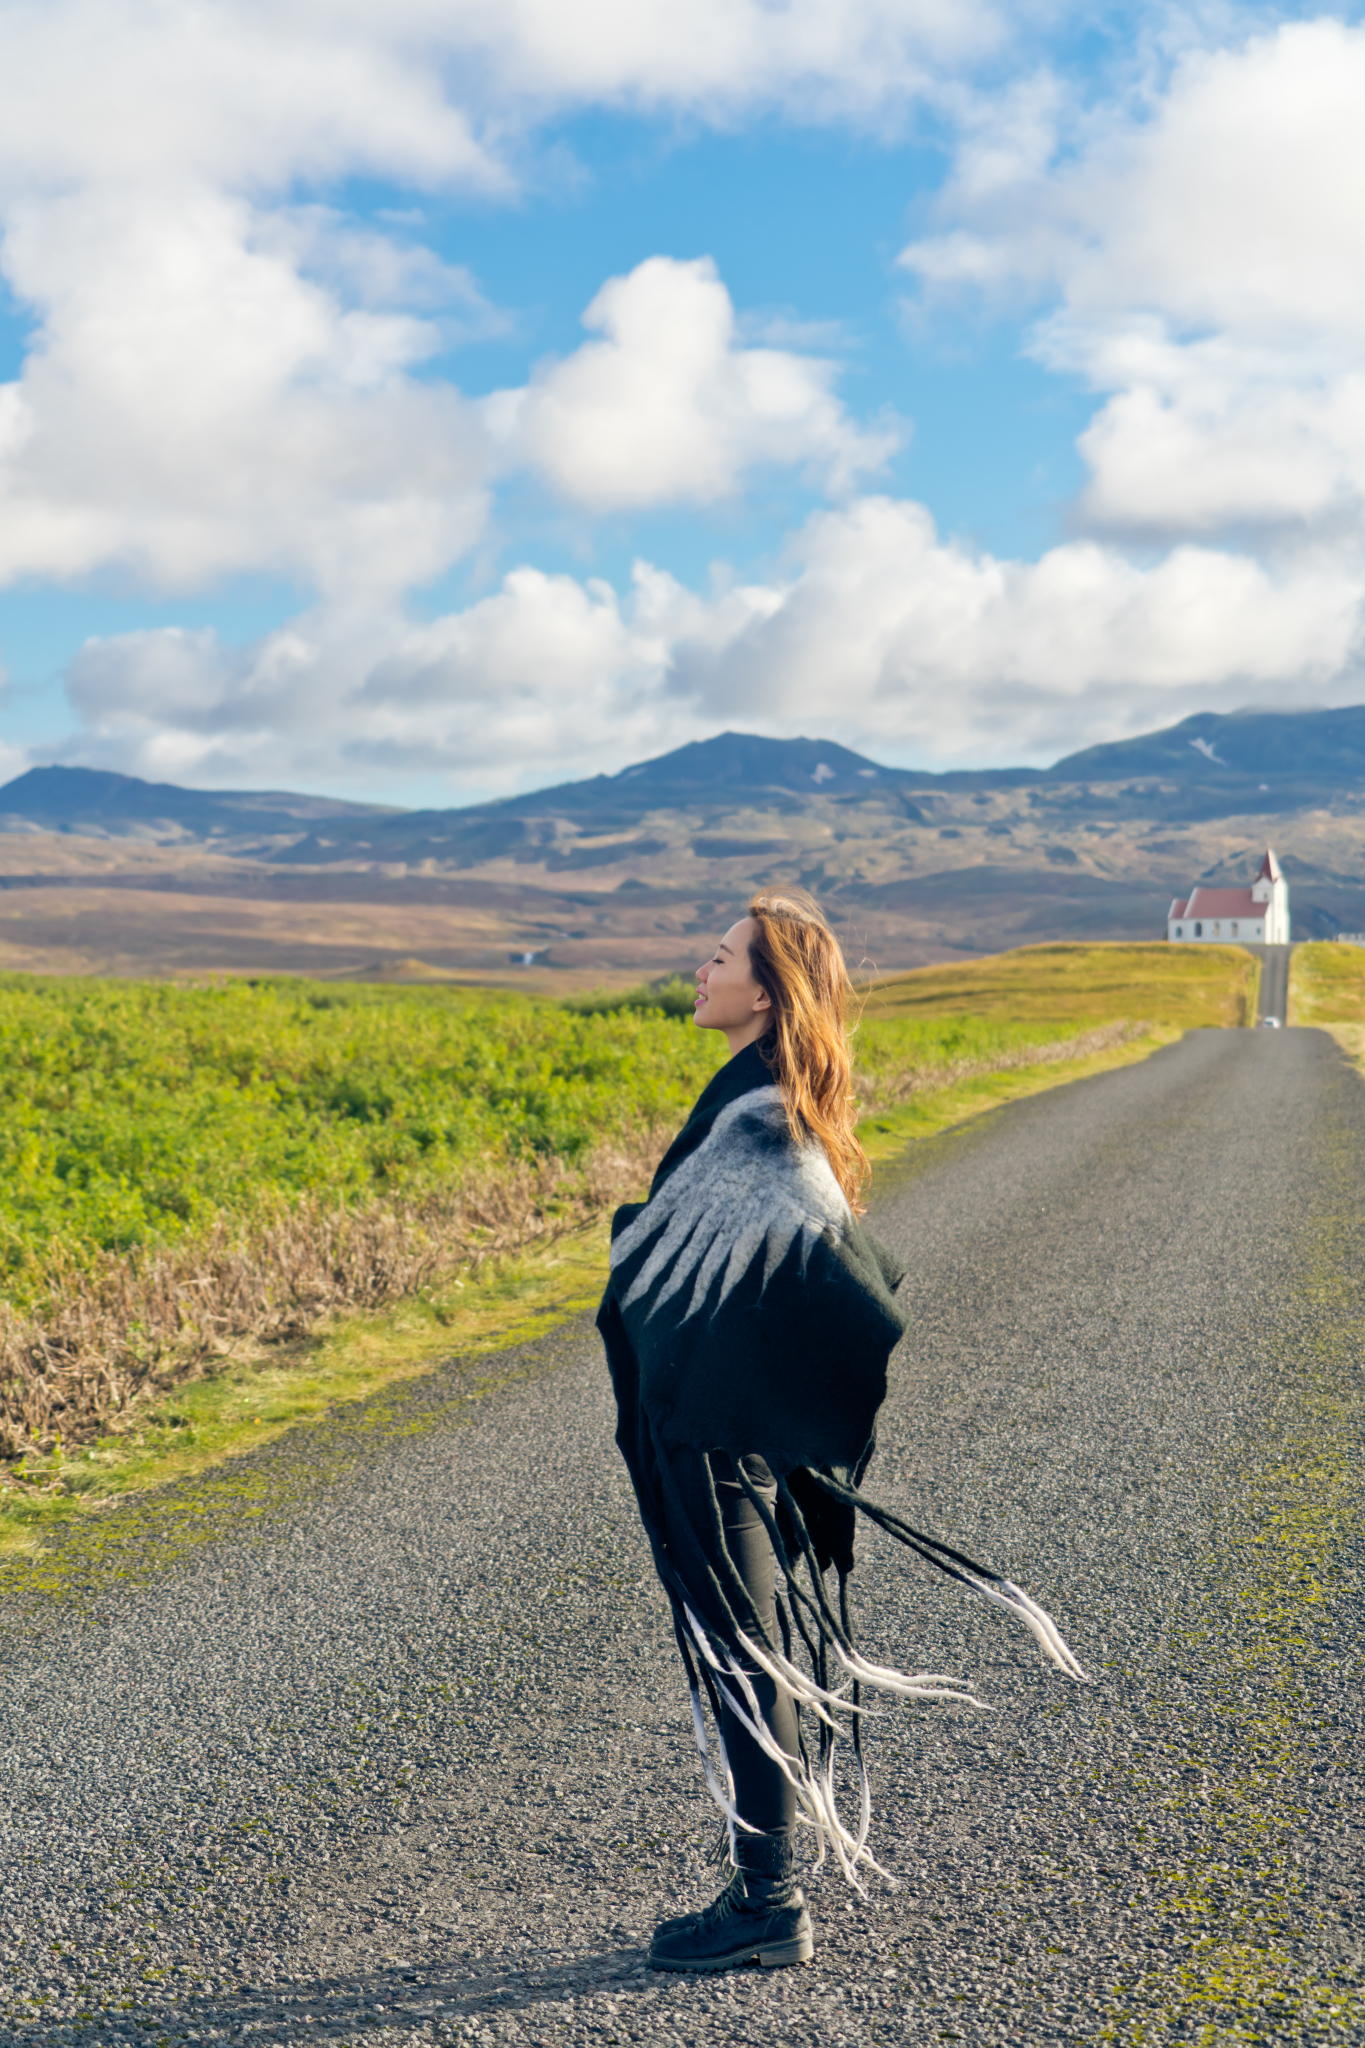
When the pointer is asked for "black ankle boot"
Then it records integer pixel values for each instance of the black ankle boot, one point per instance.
(733, 1890)
(760, 1917)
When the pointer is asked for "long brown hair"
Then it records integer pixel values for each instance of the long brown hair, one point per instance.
(797, 962)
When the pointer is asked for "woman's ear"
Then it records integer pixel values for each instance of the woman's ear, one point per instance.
(762, 1000)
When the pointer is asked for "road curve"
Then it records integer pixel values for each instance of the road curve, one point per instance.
(379, 1737)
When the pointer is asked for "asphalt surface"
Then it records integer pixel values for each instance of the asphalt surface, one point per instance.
(379, 1735)
(1273, 997)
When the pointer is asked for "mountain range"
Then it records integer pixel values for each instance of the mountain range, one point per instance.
(588, 879)
(1211, 765)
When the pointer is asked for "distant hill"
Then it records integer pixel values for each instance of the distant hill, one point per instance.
(713, 774)
(736, 761)
(1209, 766)
(1215, 749)
(99, 802)
(321, 830)
(1269, 763)
(628, 874)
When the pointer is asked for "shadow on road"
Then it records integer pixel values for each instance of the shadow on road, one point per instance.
(372, 2000)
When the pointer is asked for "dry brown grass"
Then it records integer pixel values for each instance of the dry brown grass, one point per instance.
(885, 1091)
(129, 1327)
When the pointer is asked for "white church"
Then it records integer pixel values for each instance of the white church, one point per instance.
(1258, 916)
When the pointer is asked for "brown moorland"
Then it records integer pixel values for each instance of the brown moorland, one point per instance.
(901, 894)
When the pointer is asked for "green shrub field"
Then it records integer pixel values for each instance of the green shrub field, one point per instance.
(183, 1168)
(130, 1112)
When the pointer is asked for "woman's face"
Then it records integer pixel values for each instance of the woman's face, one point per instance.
(728, 997)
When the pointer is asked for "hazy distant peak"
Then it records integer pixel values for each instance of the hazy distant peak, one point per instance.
(98, 799)
(1273, 745)
(747, 760)
(1212, 764)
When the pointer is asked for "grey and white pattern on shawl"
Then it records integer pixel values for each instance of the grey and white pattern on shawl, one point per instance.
(749, 1187)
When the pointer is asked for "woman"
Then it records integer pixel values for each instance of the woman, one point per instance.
(748, 1322)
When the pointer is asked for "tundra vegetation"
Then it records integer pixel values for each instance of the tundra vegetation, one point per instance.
(1327, 988)
(227, 1207)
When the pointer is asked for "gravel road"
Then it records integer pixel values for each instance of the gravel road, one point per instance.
(377, 1736)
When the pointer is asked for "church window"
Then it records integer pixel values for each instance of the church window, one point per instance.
(1199, 931)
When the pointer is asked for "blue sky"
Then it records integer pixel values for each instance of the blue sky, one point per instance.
(964, 385)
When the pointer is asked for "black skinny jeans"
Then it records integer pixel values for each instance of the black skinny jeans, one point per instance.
(763, 1796)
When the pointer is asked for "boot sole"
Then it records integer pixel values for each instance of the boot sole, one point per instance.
(771, 1955)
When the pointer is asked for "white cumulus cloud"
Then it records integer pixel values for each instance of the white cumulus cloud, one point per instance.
(927, 651)
(1204, 256)
(196, 407)
(201, 404)
(526, 681)
(668, 406)
(226, 374)
(252, 94)
(880, 630)
(220, 380)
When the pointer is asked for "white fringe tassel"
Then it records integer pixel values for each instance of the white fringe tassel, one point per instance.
(816, 1799)
(1036, 1620)
(817, 1803)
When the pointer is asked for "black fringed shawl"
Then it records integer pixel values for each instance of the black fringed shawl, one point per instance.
(749, 1312)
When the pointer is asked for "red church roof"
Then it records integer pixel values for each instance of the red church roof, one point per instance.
(1223, 903)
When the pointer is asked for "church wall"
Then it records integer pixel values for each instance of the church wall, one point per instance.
(1224, 931)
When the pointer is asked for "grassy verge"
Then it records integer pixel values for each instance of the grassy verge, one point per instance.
(1076, 985)
(944, 1045)
(1327, 988)
(267, 1390)
(1032, 1019)
(886, 1134)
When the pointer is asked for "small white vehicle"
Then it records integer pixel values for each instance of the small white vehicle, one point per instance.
(1270, 1023)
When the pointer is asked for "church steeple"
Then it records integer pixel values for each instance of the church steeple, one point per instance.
(1269, 882)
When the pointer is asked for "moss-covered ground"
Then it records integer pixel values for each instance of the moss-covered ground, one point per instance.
(1235, 1918)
